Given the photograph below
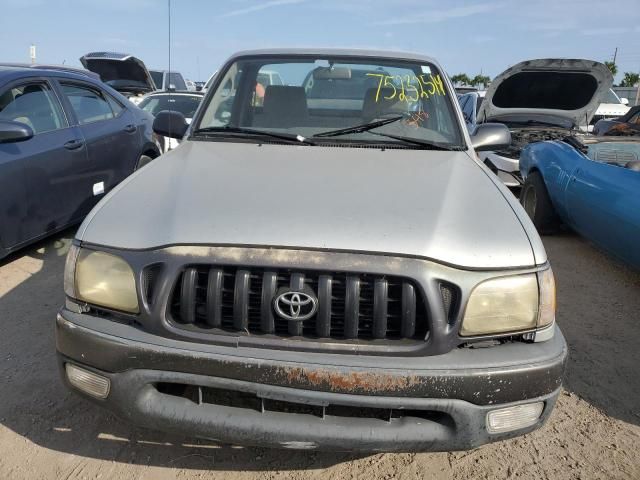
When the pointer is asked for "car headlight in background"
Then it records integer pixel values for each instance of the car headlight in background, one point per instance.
(101, 279)
(510, 304)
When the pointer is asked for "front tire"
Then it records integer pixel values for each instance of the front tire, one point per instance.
(536, 202)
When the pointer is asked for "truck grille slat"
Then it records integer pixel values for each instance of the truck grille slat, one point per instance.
(214, 297)
(241, 300)
(188, 300)
(380, 303)
(269, 287)
(351, 307)
(408, 310)
(323, 318)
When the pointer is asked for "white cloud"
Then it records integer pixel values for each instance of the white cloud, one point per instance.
(605, 31)
(437, 15)
(260, 6)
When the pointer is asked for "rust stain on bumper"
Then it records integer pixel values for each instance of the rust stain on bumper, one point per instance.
(349, 382)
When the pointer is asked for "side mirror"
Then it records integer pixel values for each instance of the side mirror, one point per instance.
(14, 132)
(170, 123)
(624, 101)
(490, 136)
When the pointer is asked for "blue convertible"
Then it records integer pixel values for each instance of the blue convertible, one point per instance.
(592, 185)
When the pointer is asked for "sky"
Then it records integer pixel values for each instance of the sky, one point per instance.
(464, 36)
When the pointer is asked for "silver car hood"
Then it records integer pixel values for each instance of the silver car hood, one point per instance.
(554, 87)
(431, 204)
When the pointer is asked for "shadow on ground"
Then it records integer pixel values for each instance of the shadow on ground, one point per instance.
(599, 305)
(38, 407)
(599, 314)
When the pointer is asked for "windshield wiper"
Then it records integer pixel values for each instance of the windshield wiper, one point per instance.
(287, 137)
(423, 143)
(359, 128)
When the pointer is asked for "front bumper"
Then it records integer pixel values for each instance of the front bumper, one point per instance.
(453, 391)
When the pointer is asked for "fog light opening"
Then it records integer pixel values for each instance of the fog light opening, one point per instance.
(514, 418)
(88, 382)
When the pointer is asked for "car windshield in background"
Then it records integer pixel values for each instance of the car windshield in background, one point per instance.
(185, 104)
(611, 97)
(322, 97)
(157, 78)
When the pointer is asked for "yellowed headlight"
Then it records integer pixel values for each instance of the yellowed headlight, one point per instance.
(106, 280)
(547, 313)
(501, 305)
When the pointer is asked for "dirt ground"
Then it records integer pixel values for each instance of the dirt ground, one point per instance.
(594, 433)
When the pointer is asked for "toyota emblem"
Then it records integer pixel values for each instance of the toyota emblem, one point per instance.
(296, 306)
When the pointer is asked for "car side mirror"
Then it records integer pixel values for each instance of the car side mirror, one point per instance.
(11, 132)
(170, 123)
(490, 136)
(624, 101)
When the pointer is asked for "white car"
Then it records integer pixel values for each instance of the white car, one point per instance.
(612, 106)
(544, 99)
(185, 102)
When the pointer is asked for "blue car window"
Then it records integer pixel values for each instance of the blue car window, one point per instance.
(32, 104)
(116, 107)
(88, 104)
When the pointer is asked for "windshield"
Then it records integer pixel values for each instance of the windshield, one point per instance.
(611, 97)
(306, 96)
(185, 104)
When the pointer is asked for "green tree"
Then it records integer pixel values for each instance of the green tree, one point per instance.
(630, 79)
(613, 68)
(480, 80)
(461, 79)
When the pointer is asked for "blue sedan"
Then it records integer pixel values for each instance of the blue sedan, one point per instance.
(593, 187)
(66, 139)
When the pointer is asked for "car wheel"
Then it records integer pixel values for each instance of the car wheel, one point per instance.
(142, 161)
(536, 202)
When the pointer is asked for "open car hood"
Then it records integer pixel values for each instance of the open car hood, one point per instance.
(122, 72)
(555, 87)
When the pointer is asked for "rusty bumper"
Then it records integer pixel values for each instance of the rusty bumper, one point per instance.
(454, 391)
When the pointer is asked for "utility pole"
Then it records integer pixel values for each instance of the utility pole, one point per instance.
(32, 53)
(637, 102)
(615, 55)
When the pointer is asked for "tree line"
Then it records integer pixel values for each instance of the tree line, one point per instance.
(463, 79)
(630, 79)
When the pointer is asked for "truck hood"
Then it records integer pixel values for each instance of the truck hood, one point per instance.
(122, 72)
(554, 87)
(431, 204)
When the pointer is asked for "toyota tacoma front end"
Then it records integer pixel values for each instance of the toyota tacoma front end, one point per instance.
(343, 277)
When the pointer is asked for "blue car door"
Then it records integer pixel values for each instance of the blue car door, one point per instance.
(111, 135)
(37, 176)
(604, 206)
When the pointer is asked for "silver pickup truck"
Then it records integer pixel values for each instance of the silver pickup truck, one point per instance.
(320, 264)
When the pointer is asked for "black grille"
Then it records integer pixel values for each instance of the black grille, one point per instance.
(350, 306)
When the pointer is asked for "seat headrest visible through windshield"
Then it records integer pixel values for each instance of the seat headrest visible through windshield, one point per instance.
(285, 106)
(375, 105)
